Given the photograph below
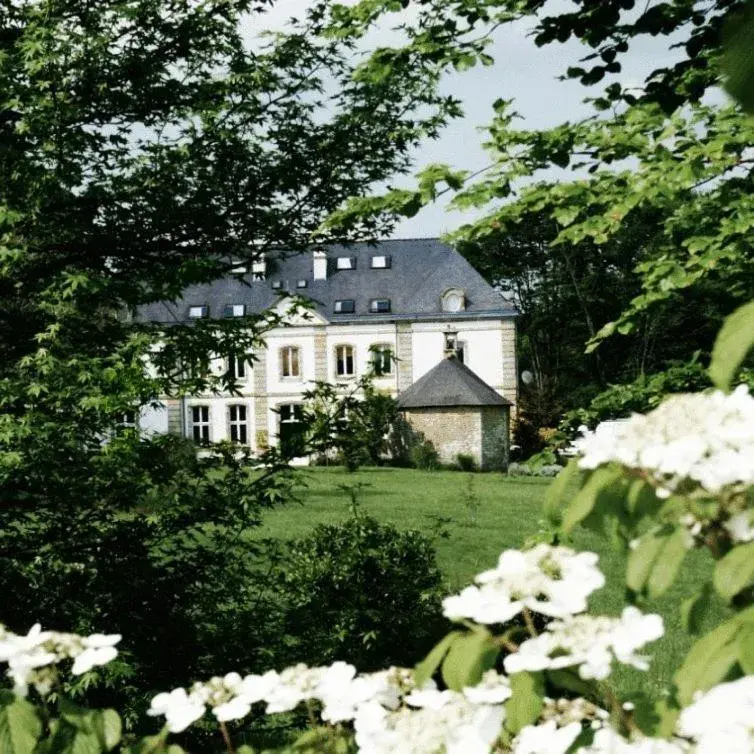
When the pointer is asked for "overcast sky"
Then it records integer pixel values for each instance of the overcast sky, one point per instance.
(522, 72)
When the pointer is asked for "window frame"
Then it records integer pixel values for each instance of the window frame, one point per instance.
(238, 425)
(203, 311)
(338, 360)
(338, 306)
(229, 312)
(388, 262)
(374, 306)
(236, 367)
(340, 263)
(201, 429)
(286, 362)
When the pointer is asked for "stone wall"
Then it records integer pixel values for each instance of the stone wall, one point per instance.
(450, 430)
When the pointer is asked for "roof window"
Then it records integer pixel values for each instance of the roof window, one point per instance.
(277, 285)
(345, 306)
(380, 262)
(345, 263)
(379, 305)
(301, 284)
(234, 310)
(198, 312)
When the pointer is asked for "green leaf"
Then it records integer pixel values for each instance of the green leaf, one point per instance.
(108, 727)
(427, 667)
(733, 342)
(469, 656)
(570, 680)
(526, 702)
(642, 557)
(20, 727)
(735, 571)
(557, 490)
(738, 60)
(598, 487)
(694, 608)
(746, 648)
(668, 562)
(710, 660)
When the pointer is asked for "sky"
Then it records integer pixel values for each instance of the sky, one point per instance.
(522, 72)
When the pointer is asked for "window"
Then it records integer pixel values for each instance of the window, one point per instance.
(380, 262)
(125, 421)
(345, 306)
(379, 305)
(290, 362)
(277, 285)
(345, 365)
(455, 347)
(453, 300)
(301, 284)
(236, 368)
(234, 310)
(382, 359)
(292, 430)
(237, 423)
(345, 263)
(198, 312)
(200, 423)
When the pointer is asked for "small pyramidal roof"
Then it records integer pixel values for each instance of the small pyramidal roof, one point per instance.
(450, 383)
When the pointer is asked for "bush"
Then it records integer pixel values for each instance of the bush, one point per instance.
(425, 456)
(362, 592)
(466, 462)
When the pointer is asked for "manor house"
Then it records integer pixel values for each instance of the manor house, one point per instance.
(404, 305)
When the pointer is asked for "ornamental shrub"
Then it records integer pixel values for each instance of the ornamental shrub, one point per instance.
(425, 456)
(363, 592)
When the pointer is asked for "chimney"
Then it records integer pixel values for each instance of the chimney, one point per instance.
(320, 264)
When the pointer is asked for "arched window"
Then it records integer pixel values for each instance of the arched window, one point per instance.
(382, 359)
(290, 361)
(453, 300)
(345, 361)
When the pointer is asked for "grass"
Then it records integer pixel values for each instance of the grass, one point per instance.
(467, 541)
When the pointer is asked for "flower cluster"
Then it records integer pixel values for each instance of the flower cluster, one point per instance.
(32, 659)
(691, 441)
(553, 581)
(590, 643)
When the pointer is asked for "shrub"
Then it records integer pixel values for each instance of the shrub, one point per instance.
(425, 456)
(363, 592)
(466, 462)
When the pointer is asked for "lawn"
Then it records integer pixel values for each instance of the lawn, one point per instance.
(507, 512)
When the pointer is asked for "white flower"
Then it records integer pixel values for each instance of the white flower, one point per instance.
(492, 689)
(546, 738)
(740, 527)
(590, 643)
(179, 709)
(235, 709)
(99, 650)
(722, 720)
(554, 581)
(608, 741)
(690, 442)
(294, 685)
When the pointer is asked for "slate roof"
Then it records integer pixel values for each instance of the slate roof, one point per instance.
(450, 383)
(421, 271)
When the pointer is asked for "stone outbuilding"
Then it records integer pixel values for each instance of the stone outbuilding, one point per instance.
(458, 412)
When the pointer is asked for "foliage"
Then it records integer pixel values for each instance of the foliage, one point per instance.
(424, 455)
(363, 592)
(466, 462)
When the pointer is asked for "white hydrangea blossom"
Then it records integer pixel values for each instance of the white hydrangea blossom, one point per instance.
(553, 581)
(32, 659)
(691, 441)
(740, 527)
(589, 642)
(546, 737)
(722, 720)
(608, 741)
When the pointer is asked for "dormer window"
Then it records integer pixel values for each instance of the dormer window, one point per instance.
(301, 284)
(379, 306)
(345, 306)
(380, 262)
(234, 310)
(345, 263)
(453, 300)
(198, 312)
(277, 285)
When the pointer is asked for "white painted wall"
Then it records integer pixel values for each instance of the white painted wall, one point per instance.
(153, 420)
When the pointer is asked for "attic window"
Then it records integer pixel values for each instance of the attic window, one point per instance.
(345, 263)
(301, 284)
(379, 305)
(234, 310)
(345, 306)
(381, 262)
(198, 312)
(453, 300)
(277, 285)
(239, 269)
